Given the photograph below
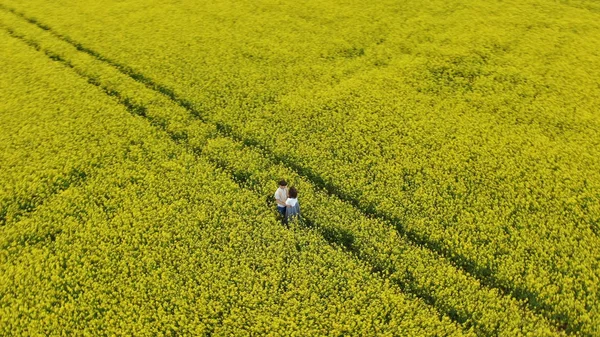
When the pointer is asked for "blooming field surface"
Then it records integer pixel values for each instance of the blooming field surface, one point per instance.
(447, 155)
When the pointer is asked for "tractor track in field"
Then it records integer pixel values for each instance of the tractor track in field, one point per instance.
(74, 177)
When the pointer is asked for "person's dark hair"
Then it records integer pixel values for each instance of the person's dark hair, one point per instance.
(293, 193)
(282, 183)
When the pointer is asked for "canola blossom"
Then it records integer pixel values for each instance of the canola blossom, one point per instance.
(446, 154)
(133, 250)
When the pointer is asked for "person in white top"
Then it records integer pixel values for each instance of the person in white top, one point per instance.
(281, 196)
(292, 206)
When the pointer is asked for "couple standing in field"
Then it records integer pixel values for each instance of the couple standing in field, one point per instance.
(287, 202)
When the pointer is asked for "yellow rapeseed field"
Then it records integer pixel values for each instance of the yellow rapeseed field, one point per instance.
(447, 155)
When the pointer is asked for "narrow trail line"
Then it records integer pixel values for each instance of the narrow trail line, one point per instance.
(483, 275)
(13, 210)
